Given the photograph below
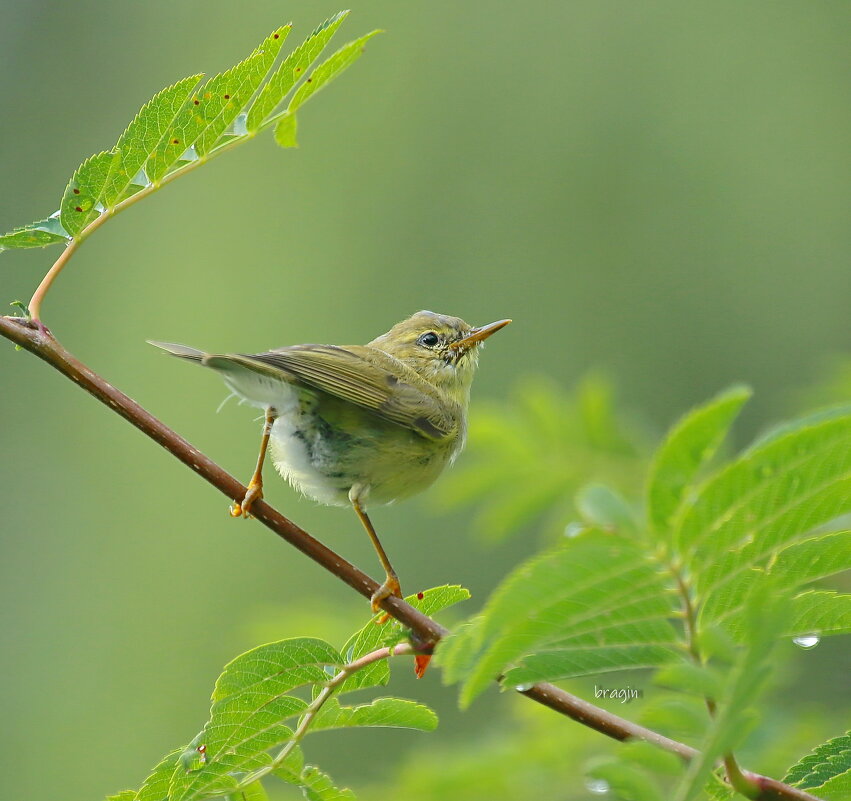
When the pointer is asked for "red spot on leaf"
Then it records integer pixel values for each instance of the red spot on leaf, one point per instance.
(175, 141)
(78, 208)
(309, 80)
(227, 97)
(196, 102)
(76, 191)
(275, 36)
(421, 595)
(298, 69)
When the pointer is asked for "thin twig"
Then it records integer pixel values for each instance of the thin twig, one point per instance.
(31, 336)
(309, 715)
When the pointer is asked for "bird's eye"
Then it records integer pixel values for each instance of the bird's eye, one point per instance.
(429, 340)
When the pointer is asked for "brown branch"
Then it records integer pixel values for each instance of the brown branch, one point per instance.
(36, 339)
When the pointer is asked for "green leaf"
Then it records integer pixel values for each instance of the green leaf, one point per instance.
(588, 661)
(144, 133)
(836, 789)
(602, 506)
(317, 786)
(250, 705)
(82, 202)
(764, 619)
(373, 636)
(124, 795)
(286, 131)
(396, 713)
(806, 561)
(826, 761)
(691, 443)
(35, 235)
(627, 781)
(765, 499)
(155, 787)
(253, 792)
(677, 716)
(586, 586)
(334, 66)
(701, 680)
(242, 82)
(821, 612)
(293, 67)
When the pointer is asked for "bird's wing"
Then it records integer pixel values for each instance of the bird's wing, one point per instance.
(347, 373)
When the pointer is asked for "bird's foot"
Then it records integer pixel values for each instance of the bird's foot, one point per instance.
(255, 493)
(390, 587)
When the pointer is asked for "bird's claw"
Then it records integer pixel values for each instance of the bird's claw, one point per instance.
(390, 587)
(243, 509)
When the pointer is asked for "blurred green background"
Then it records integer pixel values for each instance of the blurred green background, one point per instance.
(659, 190)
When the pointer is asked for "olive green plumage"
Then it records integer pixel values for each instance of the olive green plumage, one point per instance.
(376, 422)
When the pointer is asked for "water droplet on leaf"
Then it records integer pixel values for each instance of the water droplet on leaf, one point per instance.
(573, 529)
(598, 786)
(807, 640)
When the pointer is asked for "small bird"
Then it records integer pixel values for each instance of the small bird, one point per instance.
(359, 424)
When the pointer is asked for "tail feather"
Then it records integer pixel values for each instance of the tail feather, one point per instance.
(181, 351)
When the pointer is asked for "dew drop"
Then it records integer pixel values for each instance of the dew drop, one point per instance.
(522, 688)
(239, 127)
(190, 154)
(598, 786)
(573, 529)
(807, 640)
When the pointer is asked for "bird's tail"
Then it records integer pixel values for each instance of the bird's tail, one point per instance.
(181, 351)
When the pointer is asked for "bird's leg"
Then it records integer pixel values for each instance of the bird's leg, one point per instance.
(255, 486)
(391, 582)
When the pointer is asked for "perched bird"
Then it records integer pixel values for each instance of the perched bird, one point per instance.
(359, 424)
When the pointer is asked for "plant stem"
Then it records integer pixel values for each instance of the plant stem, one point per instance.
(31, 336)
(309, 715)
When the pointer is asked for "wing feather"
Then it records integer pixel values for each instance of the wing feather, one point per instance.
(365, 377)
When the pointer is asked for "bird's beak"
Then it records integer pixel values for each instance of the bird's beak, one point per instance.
(479, 334)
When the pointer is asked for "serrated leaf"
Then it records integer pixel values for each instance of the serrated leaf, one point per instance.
(690, 444)
(793, 566)
(39, 234)
(765, 499)
(373, 636)
(821, 612)
(243, 81)
(293, 67)
(250, 705)
(317, 786)
(143, 134)
(836, 789)
(396, 713)
(82, 202)
(328, 70)
(286, 131)
(124, 795)
(579, 587)
(155, 787)
(822, 764)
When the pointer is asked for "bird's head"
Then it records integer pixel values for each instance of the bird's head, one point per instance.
(441, 349)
